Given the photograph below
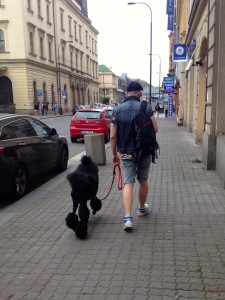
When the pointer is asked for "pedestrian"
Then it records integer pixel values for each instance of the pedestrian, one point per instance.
(157, 109)
(46, 108)
(42, 108)
(36, 108)
(124, 152)
(54, 107)
(165, 109)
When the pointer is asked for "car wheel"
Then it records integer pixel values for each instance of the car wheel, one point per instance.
(19, 182)
(73, 140)
(63, 160)
(107, 138)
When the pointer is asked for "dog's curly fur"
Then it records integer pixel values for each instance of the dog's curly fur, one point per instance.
(84, 183)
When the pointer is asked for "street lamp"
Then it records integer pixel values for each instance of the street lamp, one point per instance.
(159, 73)
(59, 79)
(150, 88)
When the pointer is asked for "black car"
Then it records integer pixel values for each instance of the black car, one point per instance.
(28, 148)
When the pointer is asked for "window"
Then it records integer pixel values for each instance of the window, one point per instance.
(2, 42)
(70, 28)
(71, 59)
(75, 30)
(61, 21)
(50, 50)
(86, 37)
(29, 4)
(39, 7)
(76, 60)
(80, 34)
(44, 92)
(81, 62)
(31, 43)
(63, 55)
(48, 20)
(40, 128)
(35, 91)
(41, 47)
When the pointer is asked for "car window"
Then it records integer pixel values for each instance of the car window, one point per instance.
(88, 115)
(107, 116)
(17, 129)
(7, 132)
(40, 128)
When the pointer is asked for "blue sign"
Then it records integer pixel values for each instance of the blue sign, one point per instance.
(170, 22)
(170, 106)
(168, 83)
(179, 52)
(40, 93)
(170, 7)
(64, 94)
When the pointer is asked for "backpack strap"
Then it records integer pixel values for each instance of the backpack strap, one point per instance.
(143, 107)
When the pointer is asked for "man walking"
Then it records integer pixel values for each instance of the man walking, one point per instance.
(122, 138)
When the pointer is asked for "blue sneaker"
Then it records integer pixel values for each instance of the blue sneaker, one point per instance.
(128, 222)
(142, 211)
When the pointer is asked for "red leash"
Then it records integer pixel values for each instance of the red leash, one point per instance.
(113, 177)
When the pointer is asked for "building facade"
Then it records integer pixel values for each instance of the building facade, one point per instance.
(48, 53)
(202, 104)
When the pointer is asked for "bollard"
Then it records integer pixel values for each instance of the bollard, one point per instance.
(95, 148)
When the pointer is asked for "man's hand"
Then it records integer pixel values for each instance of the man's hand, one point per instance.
(116, 159)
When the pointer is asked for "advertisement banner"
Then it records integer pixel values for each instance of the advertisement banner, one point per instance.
(168, 83)
(179, 52)
(170, 106)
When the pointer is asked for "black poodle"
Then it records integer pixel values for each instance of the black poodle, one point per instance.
(84, 184)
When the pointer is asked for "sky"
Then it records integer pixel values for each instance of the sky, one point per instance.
(124, 37)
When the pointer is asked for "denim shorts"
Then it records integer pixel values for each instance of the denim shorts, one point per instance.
(132, 169)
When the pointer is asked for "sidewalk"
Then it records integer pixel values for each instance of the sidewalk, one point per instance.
(176, 252)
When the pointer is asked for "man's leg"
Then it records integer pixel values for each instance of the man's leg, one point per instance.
(127, 198)
(143, 192)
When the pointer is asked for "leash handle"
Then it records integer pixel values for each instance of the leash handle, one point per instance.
(120, 186)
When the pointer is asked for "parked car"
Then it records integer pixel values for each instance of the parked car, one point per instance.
(90, 121)
(76, 108)
(28, 148)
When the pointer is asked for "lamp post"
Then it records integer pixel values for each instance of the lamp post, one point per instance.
(59, 79)
(159, 73)
(150, 88)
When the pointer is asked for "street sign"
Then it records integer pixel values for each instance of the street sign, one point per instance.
(64, 94)
(40, 93)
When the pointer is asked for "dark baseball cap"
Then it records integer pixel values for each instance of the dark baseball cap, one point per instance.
(134, 86)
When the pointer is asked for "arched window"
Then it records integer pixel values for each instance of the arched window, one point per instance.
(2, 41)
(53, 93)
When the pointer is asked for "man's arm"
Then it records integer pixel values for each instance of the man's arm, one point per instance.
(113, 134)
(154, 123)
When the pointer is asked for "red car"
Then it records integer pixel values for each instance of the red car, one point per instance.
(90, 121)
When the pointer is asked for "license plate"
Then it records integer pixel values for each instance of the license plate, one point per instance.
(87, 132)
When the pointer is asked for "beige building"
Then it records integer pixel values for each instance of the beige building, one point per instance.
(202, 104)
(48, 53)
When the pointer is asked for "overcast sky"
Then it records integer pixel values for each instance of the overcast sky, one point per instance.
(124, 37)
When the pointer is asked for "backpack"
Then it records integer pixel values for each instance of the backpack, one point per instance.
(145, 136)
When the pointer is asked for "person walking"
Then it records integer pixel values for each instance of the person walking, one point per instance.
(166, 109)
(124, 151)
(157, 109)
